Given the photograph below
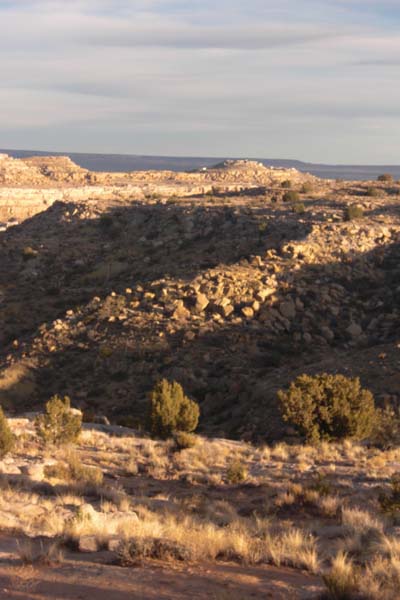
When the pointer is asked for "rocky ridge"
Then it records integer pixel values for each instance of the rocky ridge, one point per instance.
(28, 186)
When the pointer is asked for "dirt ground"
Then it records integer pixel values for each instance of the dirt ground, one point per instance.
(89, 577)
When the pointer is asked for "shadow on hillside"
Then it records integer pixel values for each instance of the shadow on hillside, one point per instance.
(233, 368)
(78, 258)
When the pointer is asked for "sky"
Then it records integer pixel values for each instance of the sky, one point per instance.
(314, 80)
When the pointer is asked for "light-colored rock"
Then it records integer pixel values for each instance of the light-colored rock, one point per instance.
(201, 302)
(88, 543)
(354, 330)
(248, 312)
(34, 471)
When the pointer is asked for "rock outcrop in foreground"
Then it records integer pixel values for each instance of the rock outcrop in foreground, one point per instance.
(219, 279)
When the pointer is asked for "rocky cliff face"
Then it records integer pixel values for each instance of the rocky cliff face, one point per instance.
(232, 294)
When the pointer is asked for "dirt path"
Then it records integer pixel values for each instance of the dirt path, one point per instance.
(89, 577)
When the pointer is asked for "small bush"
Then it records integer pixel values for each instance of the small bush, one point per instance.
(390, 503)
(133, 552)
(286, 184)
(387, 429)
(386, 178)
(59, 424)
(291, 196)
(73, 471)
(353, 212)
(42, 553)
(298, 208)
(321, 485)
(306, 188)
(184, 440)
(171, 410)
(7, 438)
(236, 472)
(328, 407)
(372, 192)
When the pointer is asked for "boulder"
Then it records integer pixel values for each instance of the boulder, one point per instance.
(354, 330)
(88, 543)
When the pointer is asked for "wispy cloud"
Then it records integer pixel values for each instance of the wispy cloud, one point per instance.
(266, 77)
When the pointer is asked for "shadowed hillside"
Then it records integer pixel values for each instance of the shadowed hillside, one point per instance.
(231, 296)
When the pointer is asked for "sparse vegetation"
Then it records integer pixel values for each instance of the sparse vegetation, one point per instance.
(7, 439)
(233, 296)
(299, 208)
(372, 192)
(307, 188)
(236, 472)
(171, 411)
(184, 440)
(353, 212)
(341, 581)
(287, 184)
(59, 424)
(40, 553)
(72, 470)
(329, 407)
(291, 196)
(390, 502)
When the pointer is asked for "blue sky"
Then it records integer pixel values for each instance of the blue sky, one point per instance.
(316, 80)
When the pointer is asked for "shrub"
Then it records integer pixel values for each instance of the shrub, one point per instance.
(387, 428)
(286, 184)
(184, 440)
(298, 208)
(132, 552)
(386, 178)
(59, 424)
(372, 192)
(72, 470)
(390, 503)
(171, 410)
(328, 407)
(353, 212)
(306, 188)
(291, 196)
(6, 436)
(236, 472)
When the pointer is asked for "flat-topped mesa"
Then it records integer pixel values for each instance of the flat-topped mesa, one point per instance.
(60, 169)
(14, 172)
(30, 185)
(250, 171)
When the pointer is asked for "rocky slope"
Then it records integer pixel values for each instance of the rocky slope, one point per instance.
(232, 294)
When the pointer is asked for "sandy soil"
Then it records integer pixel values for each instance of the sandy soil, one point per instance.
(89, 577)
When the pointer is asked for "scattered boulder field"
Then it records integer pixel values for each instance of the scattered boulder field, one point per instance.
(232, 294)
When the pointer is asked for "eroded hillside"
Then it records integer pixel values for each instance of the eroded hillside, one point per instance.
(232, 293)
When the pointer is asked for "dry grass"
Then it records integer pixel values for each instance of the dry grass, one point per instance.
(341, 581)
(185, 503)
(39, 553)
